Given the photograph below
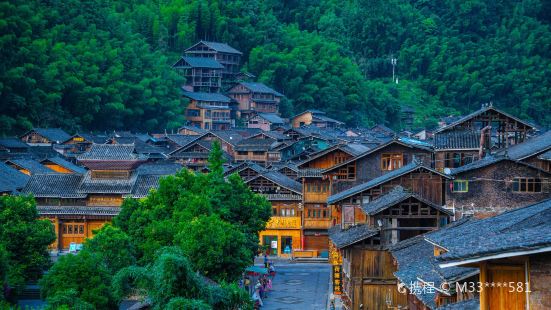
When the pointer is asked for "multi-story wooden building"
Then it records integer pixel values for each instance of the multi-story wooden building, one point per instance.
(77, 204)
(316, 189)
(481, 132)
(201, 74)
(314, 117)
(363, 240)
(258, 150)
(227, 56)
(209, 111)
(254, 97)
(45, 136)
(283, 232)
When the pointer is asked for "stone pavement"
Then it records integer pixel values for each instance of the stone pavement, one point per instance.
(301, 286)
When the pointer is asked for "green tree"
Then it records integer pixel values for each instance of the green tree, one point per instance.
(24, 240)
(114, 247)
(84, 273)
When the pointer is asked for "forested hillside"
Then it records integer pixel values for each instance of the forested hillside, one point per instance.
(100, 64)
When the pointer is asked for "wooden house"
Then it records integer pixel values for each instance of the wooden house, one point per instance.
(227, 56)
(201, 74)
(209, 111)
(12, 147)
(191, 131)
(264, 121)
(512, 251)
(79, 143)
(315, 188)
(495, 184)
(258, 150)
(254, 97)
(378, 161)
(534, 151)
(283, 231)
(485, 131)
(194, 155)
(367, 266)
(314, 117)
(45, 136)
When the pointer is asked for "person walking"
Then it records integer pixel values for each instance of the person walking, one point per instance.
(265, 260)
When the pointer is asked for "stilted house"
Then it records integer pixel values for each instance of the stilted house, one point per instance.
(264, 121)
(254, 97)
(208, 111)
(201, 74)
(227, 56)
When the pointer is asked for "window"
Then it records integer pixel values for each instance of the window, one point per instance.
(274, 211)
(258, 153)
(243, 153)
(527, 185)
(460, 186)
(391, 161)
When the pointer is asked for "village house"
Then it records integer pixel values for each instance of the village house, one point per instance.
(254, 97)
(258, 150)
(44, 136)
(264, 121)
(316, 189)
(314, 117)
(363, 240)
(29, 166)
(534, 151)
(495, 184)
(282, 236)
(375, 162)
(209, 111)
(482, 132)
(58, 164)
(201, 74)
(79, 143)
(227, 56)
(512, 251)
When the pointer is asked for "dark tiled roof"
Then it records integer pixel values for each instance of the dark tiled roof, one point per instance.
(457, 140)
(13, 143)
(159, 168)
(78, 210)
(477, 113)
(144, 183)
(323, 118)
(92, 138)
(397, 195)
(202, 62)
(207, 97)
(545, 156)
(530, 147)
(470, 304)
(522, 229)
(378, 181)
(282, 180)
(487, 161)
(107, 186)
(32, 165)
(352, 149)
(66, 164)
(182, 140)
(11, 179)
(230, 136)
(272, 118)
(110, 152)
(343, 238)
(55, 186)
(53, 134)
(254, 145)
(416, 262)
(256, 87)
(221, 47)
(192, 128)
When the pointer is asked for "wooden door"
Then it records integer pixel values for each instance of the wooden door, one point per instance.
(319, 243)
(72, 232)
(511, 294)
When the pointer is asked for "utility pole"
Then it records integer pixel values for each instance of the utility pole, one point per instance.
(393, 61)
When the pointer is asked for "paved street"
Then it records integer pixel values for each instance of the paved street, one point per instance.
(301, 286)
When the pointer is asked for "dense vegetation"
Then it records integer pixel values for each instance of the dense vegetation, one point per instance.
(23, 245)
(98, 64)
(168, 247)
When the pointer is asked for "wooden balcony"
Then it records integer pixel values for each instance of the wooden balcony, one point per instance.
(317, 223)
(284, 222)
